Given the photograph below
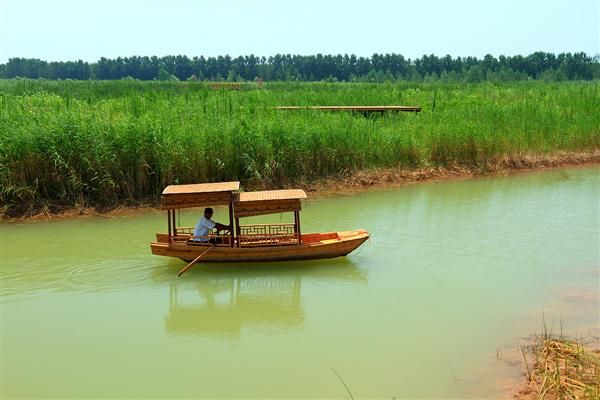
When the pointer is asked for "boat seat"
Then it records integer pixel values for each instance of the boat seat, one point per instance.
(191, 242)
(194, 243)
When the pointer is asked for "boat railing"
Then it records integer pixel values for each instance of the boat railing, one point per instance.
(250, 235)
(189, 230)
(267, 235)
(267, 229)
(186, 230)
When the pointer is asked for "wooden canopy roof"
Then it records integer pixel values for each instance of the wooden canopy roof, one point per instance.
(247, 204)
(198, 195)
(270, 195)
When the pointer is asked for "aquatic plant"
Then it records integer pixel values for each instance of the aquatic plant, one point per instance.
(561, 368)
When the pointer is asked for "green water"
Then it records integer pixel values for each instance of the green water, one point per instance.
(455, 277)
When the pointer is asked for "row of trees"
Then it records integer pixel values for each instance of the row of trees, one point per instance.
(287, 67)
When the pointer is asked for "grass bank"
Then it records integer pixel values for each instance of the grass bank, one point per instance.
(66, 144)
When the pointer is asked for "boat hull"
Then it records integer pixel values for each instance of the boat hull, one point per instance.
(314, 246)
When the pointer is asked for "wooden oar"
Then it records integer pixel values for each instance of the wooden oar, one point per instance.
(184, 269)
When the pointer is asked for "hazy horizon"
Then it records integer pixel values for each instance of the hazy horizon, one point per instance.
(71, 30)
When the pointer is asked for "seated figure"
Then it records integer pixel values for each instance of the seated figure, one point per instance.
(205, 224)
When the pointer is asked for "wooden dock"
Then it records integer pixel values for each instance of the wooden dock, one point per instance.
(225, 85)
(360, 109)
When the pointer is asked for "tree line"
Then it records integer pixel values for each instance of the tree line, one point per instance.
(319, 67)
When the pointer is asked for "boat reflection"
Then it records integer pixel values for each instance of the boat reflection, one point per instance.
(222, 302)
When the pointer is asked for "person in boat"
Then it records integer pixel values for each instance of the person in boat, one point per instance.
(205, 224)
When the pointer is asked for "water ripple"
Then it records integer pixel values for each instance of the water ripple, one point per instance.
(34, 278)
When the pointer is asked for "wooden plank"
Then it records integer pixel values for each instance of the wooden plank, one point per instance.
(225, 85)
(363, 109)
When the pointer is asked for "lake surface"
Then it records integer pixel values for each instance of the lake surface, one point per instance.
(456, 276)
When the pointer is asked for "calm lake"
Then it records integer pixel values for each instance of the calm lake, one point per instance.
(456, 276)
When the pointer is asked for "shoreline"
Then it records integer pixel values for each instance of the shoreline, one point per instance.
(358, 182)
(390, 178)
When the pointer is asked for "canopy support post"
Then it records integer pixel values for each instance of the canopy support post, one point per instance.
(169, 224)
(238, 231)
(231, 232)
(174, 223)
(297, 226)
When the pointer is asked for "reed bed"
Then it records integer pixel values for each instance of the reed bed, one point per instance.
(95, 143)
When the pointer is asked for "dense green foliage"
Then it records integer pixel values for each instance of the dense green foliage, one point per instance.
(107, 142)
(287, 67)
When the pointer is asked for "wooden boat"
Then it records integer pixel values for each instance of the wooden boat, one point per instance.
(247, 243)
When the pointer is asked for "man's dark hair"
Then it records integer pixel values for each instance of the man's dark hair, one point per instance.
(208, 210)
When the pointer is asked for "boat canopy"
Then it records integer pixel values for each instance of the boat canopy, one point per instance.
(198, 195)
(247, 204)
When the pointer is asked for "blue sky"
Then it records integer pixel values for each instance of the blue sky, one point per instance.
(90, 29)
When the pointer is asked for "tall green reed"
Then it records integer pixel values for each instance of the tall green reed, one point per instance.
(66, 143)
